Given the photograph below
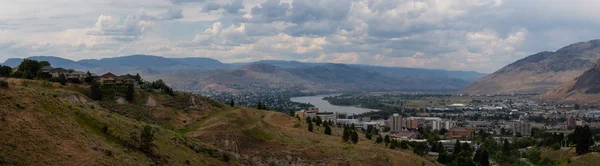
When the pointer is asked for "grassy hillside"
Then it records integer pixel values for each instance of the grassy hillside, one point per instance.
(47, 124)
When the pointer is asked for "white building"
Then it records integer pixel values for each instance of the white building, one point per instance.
(395, 122)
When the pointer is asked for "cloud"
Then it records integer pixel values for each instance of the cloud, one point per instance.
(479, 35)
(132, 27)
(234, 7)
(186, 1)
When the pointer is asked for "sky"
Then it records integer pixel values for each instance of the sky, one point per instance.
(468, 35)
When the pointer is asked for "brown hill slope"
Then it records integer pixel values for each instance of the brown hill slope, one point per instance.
(48, 124)
(583, 89)
(540, 72)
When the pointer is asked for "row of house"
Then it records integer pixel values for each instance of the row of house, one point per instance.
(108, 78)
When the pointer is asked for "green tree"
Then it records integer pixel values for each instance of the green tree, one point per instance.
(318, 121)
(147, 138)
(43, 63)
(327, 129)
(231, 102)
(88, 79)
(310, 127)
(96, 93)
(379, 140)
(346, 135)
(457, 147)
(354, 137)
(129, 95)
(419, 149)
(386, 139)
(62, 79)
(582, 138)
(308, 119)
(506, 147)
(5, 71)
(484, 159)
(29, 68)
(138, 78)
(403, 144)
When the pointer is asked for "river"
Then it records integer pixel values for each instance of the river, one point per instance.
(324, 105)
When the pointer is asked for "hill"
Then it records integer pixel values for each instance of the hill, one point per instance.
(584, 89)
(49, 124)
(255, 77)
(325, 77)
(540, 72)
(191, 73)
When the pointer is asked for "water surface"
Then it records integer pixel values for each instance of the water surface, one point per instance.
(324, 105)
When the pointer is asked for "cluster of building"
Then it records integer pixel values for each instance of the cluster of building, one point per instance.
(108, 78)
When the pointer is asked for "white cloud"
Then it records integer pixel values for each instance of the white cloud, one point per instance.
(480, 35)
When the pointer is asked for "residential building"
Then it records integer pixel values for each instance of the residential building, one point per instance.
(522, 128)
(460, 132)
(396, 120)
(108, 78)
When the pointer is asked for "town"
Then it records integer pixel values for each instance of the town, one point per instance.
(443, 122)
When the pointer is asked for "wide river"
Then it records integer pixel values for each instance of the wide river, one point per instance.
(324, 105)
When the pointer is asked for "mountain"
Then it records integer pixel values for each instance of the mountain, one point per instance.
(584, 89)
(469, 76)
(540, 72)
(255, 77)
(202, 62)
(190, 73)
(324, 77)
(52, 124)
(55, 61)
(132, 61)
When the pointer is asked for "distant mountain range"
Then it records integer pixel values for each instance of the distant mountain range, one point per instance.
(327, 77)
(209, 74)
(540, 72)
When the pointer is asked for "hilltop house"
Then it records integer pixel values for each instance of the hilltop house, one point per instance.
(110, 78)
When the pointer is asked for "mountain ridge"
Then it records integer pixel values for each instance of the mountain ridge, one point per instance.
(186, 73)
(539, 72)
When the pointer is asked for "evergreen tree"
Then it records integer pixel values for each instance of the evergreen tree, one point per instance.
(88, 79)
(379, 139)
(129, 95)
(96, 93)
(484, 159)
(310, 127)
(346, 135)
(443, 157)
(354, 137)
(137, 77)
(308, 119)
(404, 144)
(259, 106)
(457, 147)
(368, 135)
(506, 148)
(440, 147)
(466, 147)
(147, 138)
(477, 156)
(434, 147)
(318, 121)
(231, 102)
(62, 79)
(386, 139)
(583, 139)
(327, 129)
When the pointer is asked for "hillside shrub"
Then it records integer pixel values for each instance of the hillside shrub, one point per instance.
(3, 84)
